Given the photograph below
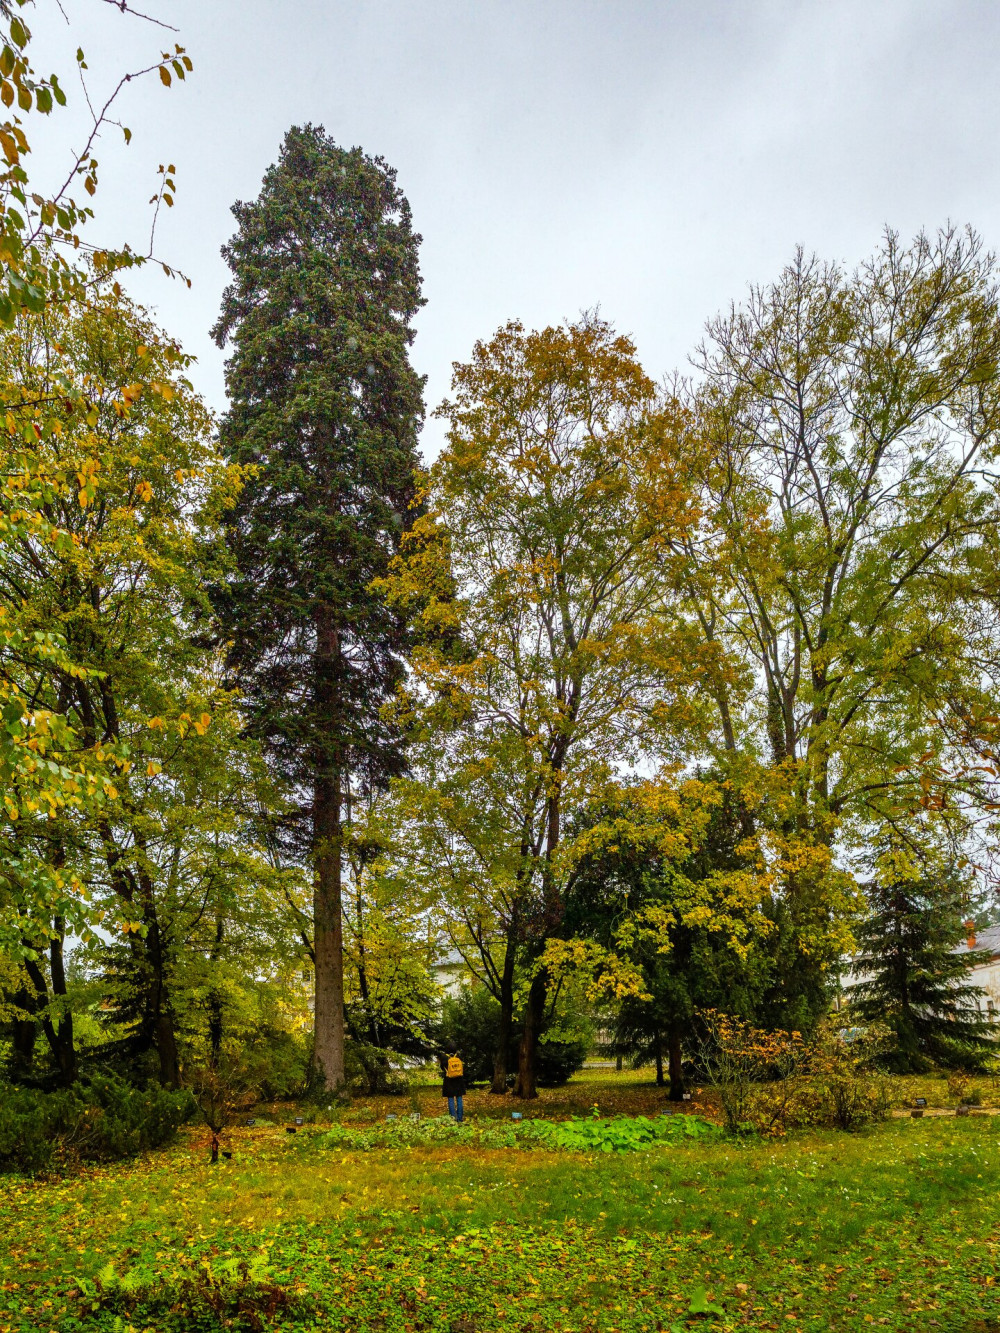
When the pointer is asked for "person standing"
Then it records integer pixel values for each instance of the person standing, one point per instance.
(453, 1083)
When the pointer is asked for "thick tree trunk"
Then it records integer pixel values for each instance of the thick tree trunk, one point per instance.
(328, 920)
(498, 1084)
(534, 1013)
(328, 935)
(675, 1063)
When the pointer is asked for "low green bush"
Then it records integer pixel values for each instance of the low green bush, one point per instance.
(100, 1120)
(236, 1294)
(622, 1133)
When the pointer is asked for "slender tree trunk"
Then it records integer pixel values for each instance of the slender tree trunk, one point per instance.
(24, 1032)
(498, 1084)
(58, 1035)
(618, 1064)
(159, 1014)
(675, 1063)
(534, 1013)
(66, 1046)
(658, 1057)
(135, 888)
(215, 1002)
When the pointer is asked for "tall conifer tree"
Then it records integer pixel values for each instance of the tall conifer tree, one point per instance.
(326, 406)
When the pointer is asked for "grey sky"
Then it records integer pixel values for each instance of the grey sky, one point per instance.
(652, 158)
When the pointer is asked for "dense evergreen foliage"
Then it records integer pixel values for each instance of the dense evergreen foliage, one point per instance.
(915, 976)
(325, 407)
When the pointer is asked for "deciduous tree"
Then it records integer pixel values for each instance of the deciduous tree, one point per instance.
(539, 576)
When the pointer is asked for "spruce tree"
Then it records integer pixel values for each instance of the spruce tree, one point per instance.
(911, 977)
(326, 407)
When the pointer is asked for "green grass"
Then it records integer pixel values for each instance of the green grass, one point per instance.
(898, 1227)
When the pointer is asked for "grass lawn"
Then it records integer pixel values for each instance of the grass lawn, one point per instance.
(897, 1227)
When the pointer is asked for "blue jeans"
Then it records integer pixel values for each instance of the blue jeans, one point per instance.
(455, 1109)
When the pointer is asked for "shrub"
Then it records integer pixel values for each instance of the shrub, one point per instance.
(232, 1293)
(100, 1120)
(766, 1080)
(756, 1072)
(369, 1069)
(276, 1062)
(470, 1021)
(958, 1084)
(844, 1089)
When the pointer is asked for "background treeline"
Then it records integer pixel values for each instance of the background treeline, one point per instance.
(643, 700)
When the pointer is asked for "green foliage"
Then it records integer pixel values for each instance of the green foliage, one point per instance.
(324, 407)
(101, 1120)
(579, 1134)
(622, 1133)
(46, 764)
(911, 973)
(686, 964)
(234, 1293)
(471, 1021)
(368, 1068)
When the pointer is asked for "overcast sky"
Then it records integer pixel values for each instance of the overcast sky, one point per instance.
(648, 157)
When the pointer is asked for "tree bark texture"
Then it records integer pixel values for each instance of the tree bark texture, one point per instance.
(534, 1014)
(328, 935)
(328, 920)
(498, 1084)
(24, 1032)
(675, 1063)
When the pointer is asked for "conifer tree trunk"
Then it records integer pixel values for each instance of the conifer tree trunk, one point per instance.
(328, 934)
(328, 919)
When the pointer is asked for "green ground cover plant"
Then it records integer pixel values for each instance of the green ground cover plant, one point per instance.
(592, 1133)
(896, 1226)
